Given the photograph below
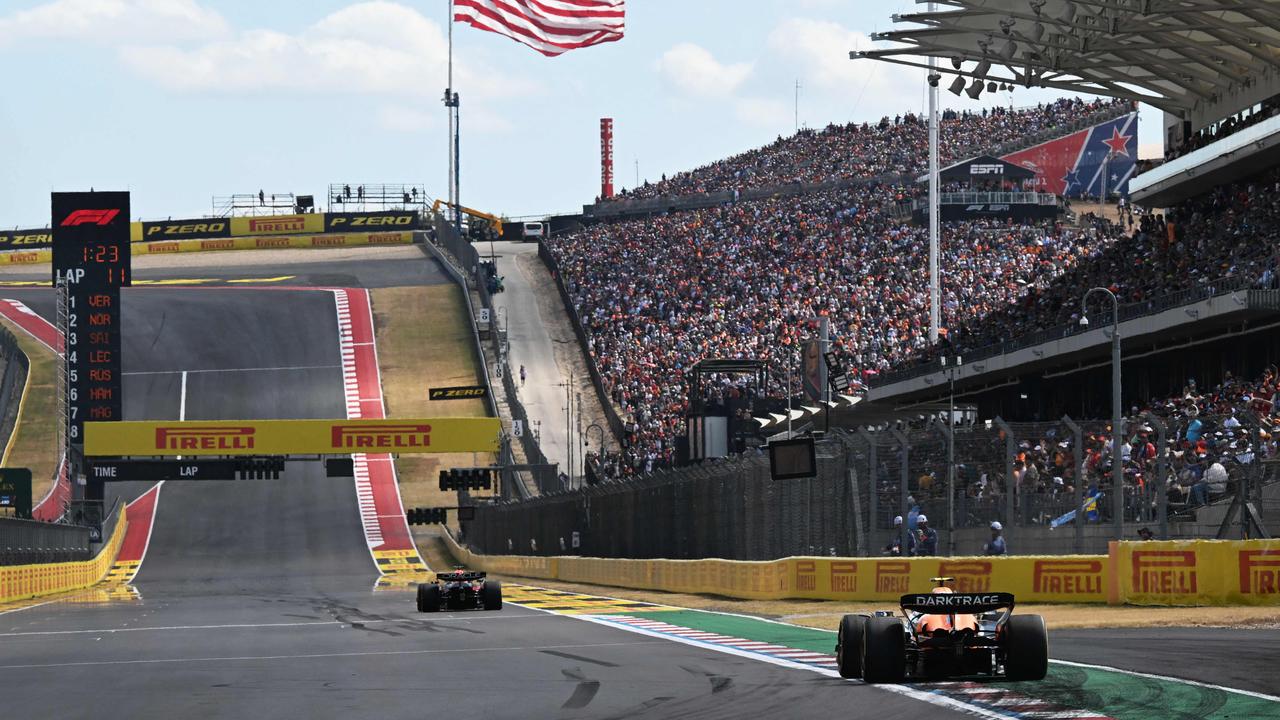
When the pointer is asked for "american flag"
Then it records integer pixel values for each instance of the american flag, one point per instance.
(549, 26)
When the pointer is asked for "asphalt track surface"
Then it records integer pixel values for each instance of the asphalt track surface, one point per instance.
(257, 600)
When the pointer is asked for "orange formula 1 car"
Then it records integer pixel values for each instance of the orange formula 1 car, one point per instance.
(944, 634)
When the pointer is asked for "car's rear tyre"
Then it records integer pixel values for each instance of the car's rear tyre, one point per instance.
(491, 595)
(428, 597)
(883, 651)
(1026, 648)
(849, 645)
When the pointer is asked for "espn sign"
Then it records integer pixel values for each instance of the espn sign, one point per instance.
(986, 169)
(388, 437)
(1259, 572)
(1164, 572)
(1067, 577)
(187, 437)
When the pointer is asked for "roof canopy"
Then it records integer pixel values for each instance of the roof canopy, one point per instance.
(1173, 54)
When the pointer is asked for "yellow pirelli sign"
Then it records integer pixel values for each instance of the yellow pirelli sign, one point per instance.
(277, 225)
(291, 437)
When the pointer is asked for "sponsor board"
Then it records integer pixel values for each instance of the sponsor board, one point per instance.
(369, 222)
(277, 225)
(186, 229)
(291, 437)
(169, 247)
(28, 257)
(1204, 572)
(26, 239)
(461, 392)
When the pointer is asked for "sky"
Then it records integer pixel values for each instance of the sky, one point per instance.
(180, 101)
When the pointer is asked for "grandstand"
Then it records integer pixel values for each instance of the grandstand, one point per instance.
(740, 258)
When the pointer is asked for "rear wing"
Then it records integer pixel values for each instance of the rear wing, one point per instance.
(951, 603)
(460, 576)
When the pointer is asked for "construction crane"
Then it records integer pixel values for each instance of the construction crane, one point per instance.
(493, 221)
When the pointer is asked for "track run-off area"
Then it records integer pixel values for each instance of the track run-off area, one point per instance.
(262, 598)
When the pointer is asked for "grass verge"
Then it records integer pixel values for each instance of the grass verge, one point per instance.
(424, 341)
(35, 441)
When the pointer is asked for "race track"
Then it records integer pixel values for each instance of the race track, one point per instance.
(256, 598)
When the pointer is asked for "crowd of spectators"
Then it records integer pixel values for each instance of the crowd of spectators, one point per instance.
(1215, 439)
(1229, 231)
(657, 295)
(855, 150)
(749, 279)
(1266, 109)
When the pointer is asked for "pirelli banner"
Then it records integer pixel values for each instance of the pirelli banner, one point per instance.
(277, 225)
(291, 437)
(1189, 572)
(1197, 572)
(169, 247)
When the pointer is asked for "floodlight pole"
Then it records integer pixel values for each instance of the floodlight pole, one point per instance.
(935, 288)
(1117, 422)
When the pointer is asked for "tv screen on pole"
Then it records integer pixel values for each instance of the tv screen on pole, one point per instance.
(792, 459)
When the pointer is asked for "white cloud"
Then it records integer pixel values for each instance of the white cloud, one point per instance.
(112, 21)
(763, 112)
(380, 48)
(405, 119)
(694, 71)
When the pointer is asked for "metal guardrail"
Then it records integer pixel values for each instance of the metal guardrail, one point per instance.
(1009, 198)
(28, 542)
(16, 367)
(1130, 311)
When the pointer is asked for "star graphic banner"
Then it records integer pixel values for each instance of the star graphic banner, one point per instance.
(1072, 165)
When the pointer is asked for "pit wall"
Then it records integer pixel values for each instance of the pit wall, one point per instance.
(1196, 572)
(24, 582)
(169, 247)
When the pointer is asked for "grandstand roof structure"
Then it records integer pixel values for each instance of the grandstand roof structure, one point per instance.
(1172, 54)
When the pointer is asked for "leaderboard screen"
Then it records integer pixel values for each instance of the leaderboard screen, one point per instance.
(91, 255)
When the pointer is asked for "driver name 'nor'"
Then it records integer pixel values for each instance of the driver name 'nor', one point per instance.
(949, 600)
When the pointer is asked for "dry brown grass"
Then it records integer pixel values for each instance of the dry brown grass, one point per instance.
(35, 442)
(424, 341)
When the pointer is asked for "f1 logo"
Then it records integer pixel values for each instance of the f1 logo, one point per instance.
(90, 217)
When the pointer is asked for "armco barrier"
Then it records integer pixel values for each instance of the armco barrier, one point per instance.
(23, 582)
(1152, 573)
(169, 247)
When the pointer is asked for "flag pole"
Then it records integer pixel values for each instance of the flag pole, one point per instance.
(448, 108)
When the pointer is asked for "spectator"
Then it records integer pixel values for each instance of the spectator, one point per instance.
(995, 546)
(927, 537)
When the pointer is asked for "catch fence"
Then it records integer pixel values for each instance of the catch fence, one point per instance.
(1020, 474)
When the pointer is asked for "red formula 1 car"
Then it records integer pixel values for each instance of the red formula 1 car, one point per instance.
(944, 634)
(460, 590)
